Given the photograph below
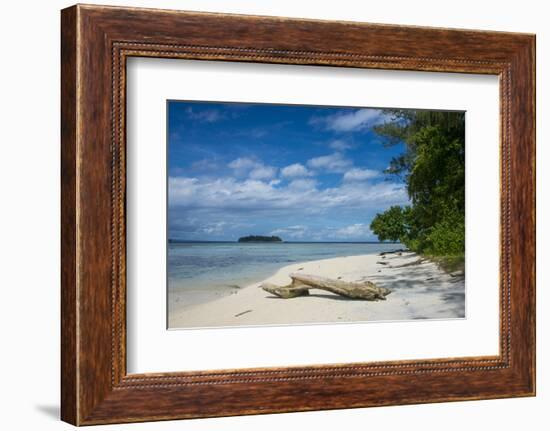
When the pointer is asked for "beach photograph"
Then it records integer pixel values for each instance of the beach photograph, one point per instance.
(299, 214)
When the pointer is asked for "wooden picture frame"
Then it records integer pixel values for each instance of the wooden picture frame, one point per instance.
(95, 43)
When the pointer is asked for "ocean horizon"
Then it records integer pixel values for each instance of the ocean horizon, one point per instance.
(187, 241)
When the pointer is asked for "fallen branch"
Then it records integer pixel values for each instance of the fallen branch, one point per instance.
(365, 290)
(286, 292)
(243, 312)
(401, 250)
(301, 283)
(413, 263)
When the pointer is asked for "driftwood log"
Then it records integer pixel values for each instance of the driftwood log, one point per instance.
(291, 290)
(302, 283)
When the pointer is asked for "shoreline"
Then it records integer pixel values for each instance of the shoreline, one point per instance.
(192, 284)
(420, 290)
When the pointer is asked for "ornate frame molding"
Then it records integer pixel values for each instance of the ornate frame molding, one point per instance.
(96, 41)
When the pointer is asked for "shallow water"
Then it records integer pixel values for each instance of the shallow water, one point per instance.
(200, 272)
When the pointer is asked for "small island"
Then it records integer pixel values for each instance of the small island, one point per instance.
(260, 238)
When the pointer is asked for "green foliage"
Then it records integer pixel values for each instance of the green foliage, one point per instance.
(450, 263)
(391, 224)
(447, 236)
(433, 167)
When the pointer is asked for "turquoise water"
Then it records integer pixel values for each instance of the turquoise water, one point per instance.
(199, 272)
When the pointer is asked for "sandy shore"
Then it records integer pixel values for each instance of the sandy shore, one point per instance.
(419, 291)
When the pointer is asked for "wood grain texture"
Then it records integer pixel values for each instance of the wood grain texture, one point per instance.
(69, 366)
(96, 41)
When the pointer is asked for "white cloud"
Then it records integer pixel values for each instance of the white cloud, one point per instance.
(357, 174)
(198, 206)
(216, 227)
(353, 232)
(293, 232)
(332, 163)
(357, 230)
(299, 196)
(256, 170)
(243, 163)
(204, 165)
(340, 145)
(302, 184)
(207, 116)
(295, 170)
(193, 227)
(182, 189)
(351, 121)
(263, 173)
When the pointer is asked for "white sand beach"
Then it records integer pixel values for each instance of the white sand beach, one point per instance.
(419, 291)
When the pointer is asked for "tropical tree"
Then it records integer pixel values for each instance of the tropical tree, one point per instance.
(432, 166)
(391, 225)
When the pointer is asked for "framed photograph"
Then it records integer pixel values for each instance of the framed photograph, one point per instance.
(266, 215)
(317, 201)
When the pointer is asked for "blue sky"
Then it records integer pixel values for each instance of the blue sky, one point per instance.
(304, 173)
